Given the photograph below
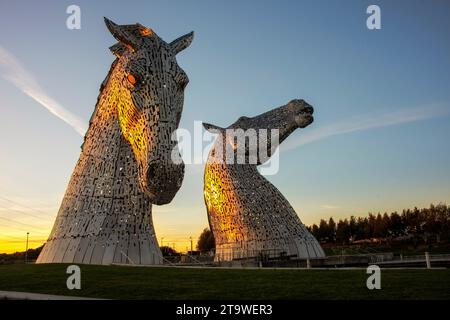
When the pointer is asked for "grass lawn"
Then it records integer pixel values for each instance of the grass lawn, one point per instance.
(182, 283)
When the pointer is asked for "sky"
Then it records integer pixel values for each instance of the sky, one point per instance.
(379, 141)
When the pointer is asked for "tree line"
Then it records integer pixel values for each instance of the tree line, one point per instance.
(428, 224)
(32, 255)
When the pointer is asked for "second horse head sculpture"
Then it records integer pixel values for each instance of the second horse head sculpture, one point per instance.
(247, 215)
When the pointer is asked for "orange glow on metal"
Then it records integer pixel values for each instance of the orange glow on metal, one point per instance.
(220, 200)
(132, 122)
(146, 32)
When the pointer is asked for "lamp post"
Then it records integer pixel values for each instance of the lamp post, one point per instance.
(26, 250)
(162, 238)
(191, 243)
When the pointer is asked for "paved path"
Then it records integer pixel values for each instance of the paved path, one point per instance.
(14, 295)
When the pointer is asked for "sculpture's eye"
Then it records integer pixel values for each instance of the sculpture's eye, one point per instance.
(132, 79)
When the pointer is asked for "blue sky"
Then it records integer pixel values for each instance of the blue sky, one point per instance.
(247, 57)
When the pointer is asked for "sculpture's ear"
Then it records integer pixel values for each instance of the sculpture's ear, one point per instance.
(131, 35)
(212, 128)
(118, 49)
(182, 42)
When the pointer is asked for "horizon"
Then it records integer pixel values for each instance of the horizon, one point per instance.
(195, 239)
(377, 144)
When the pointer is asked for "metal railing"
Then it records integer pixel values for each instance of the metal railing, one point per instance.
(422, 257)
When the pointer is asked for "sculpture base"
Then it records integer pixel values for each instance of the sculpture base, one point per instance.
(294, 249)
(101, 251)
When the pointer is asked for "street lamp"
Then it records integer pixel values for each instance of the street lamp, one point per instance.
(26, 250)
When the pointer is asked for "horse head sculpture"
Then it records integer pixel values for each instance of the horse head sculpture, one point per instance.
(148, 90)
(126, 162)
(248, 216)
(254, 138)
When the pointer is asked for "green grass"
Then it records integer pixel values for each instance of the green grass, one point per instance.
(182, 283)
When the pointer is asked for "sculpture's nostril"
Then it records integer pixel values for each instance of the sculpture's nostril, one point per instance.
(309, 110)
(151, 172)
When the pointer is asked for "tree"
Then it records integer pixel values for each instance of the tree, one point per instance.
(364, 228)
(352, 225)
(379, 226)
(331, 230)
(386, 222)
(372, 221)
(315, 231)
(32, 254)
(343, 231)
(206, 241)
(323, 231)
(168, 251)
(395, 225)
(425, 224)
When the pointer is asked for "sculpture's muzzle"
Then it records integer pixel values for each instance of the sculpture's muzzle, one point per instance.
(164, 179)
(303, 112)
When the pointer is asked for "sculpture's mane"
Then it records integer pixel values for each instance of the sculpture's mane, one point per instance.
(103, 85)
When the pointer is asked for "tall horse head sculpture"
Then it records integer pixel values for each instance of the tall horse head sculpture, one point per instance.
(247, 215)
(126, 161)
(147, 90)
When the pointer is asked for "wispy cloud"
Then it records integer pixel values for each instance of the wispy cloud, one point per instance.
(329, 206)
(368, 121)
(13, 71)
